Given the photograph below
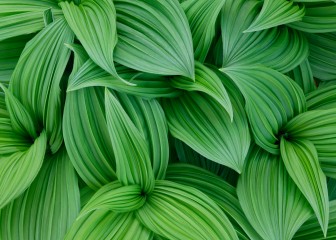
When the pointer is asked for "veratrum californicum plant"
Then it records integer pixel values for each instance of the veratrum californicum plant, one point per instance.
(167, 119)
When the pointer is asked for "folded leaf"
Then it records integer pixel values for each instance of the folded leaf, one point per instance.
(311, 229)
(279, 48)
(117, 198)
(86, 137)
(218, 190)
(322, 98)
(275, 13)
(206, 127)
(18, 170)
(103, 224)
(48, 207)
(271, 100)
(207, 81)
(318, 18)
(301, 161)
(319, 127)
(37, 85)
(3, 109)
(270, 199)
(146, 85)
(202, 16)
(155, 38)
(175, 211)
(99, 42)
(131, 151)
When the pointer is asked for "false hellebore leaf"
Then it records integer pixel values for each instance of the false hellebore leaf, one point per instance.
(154, 37)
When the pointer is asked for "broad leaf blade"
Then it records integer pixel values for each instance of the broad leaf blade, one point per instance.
(155, 38)
(175, 211)
(301, 161)
(270, 199)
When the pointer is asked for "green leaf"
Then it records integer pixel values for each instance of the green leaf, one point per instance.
(319, 127)
(146, 85)
(322, 56)
(20, 18)
(270, 199)
(48, 207)
(202, 16)
(103, 224)
(322, 98)
(117, 198)
(271, 100)
(131, 151)
(155, 38)
(86, 137)
(319, 18)
(10, 51)
(279, 48)
(206, 127)
(311, 229)
(99, 42)
(21, 119)
(303, 76)
(175, 211)
(37, 85)
(217, 189)
(301, 161)
(3, 109)
(207, 81)
(332, 189)
(19, 169)
(275, 13)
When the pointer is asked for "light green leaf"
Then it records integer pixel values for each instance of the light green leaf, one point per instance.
(155, 38)
(275, 13)
(23, 17)
(37, 85)
(202, 16)
(322, 56)
(207, 81)
(218, 190)
(279, 48)
(19, 169)
(206, 127)
(301, 161)
(319, 127)
(131, 151)
(3, 109)
(146, 85)
(99, 42)
(322, 98)
(311, 229)
(48, 207)
(117, 198)
(103, 224)
(319, 18)
(86, 137)
(271, 98)
(270, 199)
(303, 76)
(175, 211)
(21, 119)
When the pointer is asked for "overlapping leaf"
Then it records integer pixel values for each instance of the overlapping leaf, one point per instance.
(154, 37)
(175, 211)
(37, 85)
(98, 40)
(271, 100)
(301, 161)
(202, 16)
(205, 126)
(322, 98)
(275, 13)
(270, 199)
(319, 127)
(131, 151)
(279, 48)
(48, 207)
